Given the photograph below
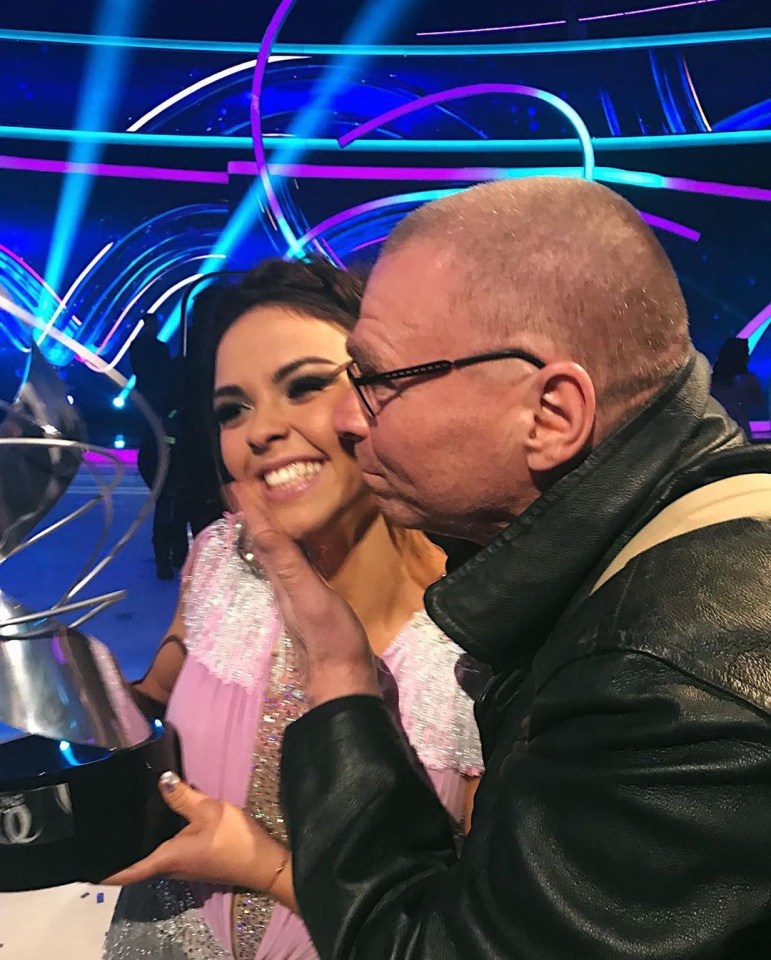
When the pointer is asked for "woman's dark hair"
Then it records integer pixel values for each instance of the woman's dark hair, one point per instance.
(313, 287)
(731, 361)
(319, 290)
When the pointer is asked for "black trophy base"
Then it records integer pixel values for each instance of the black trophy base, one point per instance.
(70, 813)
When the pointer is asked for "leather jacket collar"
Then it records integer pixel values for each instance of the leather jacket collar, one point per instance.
(500, 605)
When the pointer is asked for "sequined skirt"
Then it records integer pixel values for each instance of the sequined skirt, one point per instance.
(160, 920)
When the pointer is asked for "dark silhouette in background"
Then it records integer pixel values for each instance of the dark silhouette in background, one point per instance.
(159, 380)
(734, 387)
(203, 474)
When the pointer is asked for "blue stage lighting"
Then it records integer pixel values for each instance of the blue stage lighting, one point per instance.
(120, 400)
(401, 50)
(119, 443)
(67, 752)
(372, 23)
(103, 75)
(664, 141)
(93, 137)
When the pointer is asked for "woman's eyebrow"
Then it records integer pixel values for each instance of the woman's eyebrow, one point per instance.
(289, 368)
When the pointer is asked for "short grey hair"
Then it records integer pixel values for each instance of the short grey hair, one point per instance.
(567, 260)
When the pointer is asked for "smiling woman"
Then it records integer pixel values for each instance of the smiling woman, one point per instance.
(227, 672)
(275, 417)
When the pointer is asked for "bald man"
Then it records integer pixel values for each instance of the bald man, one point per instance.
(524, 378)
(625, 811)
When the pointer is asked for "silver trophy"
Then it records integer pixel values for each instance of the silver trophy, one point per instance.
(79, 762)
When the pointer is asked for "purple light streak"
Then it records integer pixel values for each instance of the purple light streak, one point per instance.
(758, 322)
(515, 26)
(335, 172)
(717, 189)
(343, 216)
(126, 456)
(276, 22)
(56, 647)
(559, 23)
(671, 226)
(634, 13)
(473, 90)
(368, 243)
(341, 172)
(35, 164)
(441, 96)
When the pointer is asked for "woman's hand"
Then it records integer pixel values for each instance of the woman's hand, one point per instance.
(331, 643)
(221, 844)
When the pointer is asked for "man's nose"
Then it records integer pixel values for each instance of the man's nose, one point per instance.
(349, 419)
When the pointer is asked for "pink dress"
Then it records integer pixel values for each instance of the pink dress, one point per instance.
(235, 694)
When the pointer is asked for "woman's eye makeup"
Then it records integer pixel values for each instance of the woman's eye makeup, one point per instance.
(225, 413)
(307, 385)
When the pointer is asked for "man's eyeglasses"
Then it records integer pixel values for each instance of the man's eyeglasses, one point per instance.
(372, 399)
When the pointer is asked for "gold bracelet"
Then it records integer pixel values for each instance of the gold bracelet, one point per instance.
(279, 871)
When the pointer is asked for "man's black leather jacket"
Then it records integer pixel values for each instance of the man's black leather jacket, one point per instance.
(625, 812)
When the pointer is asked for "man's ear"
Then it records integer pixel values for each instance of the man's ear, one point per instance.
(563, 418)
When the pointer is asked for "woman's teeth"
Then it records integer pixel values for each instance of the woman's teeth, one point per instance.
(292, 473)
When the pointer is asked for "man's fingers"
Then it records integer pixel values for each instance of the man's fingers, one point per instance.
(277, 553)
(245, 499)
(262, 530)
(306, 600)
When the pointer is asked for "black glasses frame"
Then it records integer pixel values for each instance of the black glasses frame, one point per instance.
(436, 368)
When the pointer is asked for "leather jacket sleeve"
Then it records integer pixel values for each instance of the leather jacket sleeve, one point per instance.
(622, 760)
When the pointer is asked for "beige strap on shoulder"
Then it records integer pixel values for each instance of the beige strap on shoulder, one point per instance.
(748, 495)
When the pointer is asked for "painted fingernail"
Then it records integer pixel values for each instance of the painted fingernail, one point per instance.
(168, 781)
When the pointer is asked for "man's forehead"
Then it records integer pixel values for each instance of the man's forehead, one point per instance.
(407, 269)
(405, 304)
(372, 341)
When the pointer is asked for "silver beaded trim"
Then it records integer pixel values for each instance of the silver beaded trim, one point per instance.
(284, 703)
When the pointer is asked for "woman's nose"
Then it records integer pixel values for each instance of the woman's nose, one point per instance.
(266, 426)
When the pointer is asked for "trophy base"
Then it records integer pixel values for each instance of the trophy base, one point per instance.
(91, 813)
